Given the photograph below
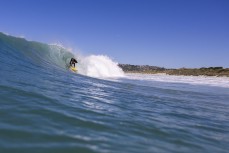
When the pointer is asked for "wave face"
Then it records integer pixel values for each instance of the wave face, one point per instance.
(59, 57)
(46, 108)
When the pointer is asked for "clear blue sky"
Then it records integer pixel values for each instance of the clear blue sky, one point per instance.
(168, 33)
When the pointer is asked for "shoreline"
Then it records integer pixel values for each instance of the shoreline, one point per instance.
(146, 69)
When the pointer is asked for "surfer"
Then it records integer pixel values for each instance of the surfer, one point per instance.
(73, 62)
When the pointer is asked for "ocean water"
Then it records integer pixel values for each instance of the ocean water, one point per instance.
(46, 108)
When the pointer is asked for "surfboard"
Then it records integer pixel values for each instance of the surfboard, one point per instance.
(73, 69)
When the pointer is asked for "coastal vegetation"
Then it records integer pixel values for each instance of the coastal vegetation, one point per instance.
(146, 69)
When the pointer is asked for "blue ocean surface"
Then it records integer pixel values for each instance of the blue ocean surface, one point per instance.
(46, 108)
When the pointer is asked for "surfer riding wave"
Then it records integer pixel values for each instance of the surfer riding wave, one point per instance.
(73, 61)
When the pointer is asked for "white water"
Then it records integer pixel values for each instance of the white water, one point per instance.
(195, 80)
(99, 66)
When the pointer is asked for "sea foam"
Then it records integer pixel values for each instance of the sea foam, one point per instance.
(99, 66)
(194, 80)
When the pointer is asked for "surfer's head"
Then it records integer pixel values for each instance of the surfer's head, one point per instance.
(73, 60)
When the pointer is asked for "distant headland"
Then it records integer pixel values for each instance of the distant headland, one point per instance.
(146, 69)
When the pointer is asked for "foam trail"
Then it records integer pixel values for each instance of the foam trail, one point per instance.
(195, 80)
(99, 66)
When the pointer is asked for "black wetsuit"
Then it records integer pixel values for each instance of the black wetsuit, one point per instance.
(73, 61)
